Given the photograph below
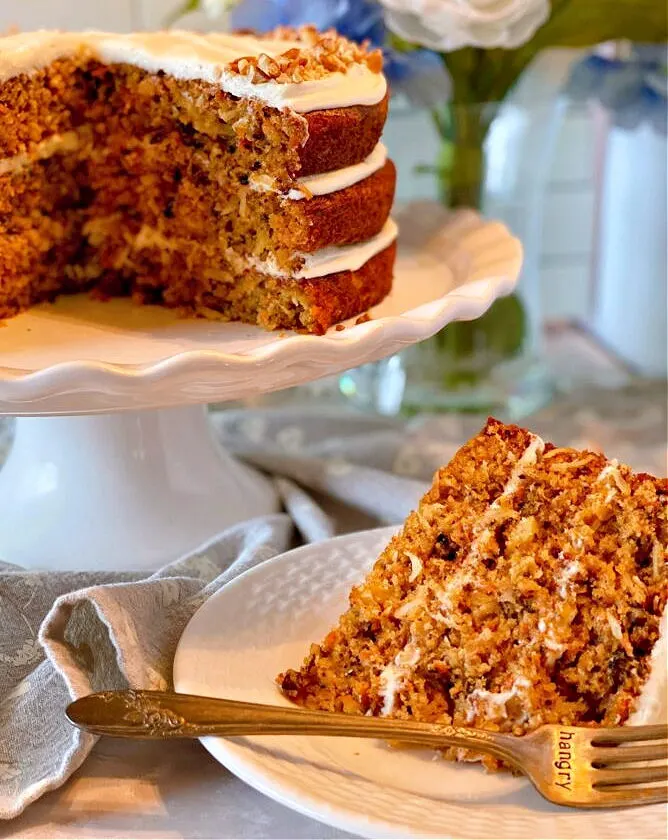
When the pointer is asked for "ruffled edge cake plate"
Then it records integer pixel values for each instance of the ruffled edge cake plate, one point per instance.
(81, 356)
(262, 623)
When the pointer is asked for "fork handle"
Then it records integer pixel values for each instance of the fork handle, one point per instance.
(162, 714)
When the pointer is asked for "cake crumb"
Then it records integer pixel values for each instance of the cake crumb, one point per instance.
(362, 319)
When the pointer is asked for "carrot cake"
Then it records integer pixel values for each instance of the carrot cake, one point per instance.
(529, 587)
(239, 176)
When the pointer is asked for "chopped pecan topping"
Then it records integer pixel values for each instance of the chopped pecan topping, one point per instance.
(319, 54)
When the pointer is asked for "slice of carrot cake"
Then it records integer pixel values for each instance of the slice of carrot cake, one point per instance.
(529, 587)
(235, 175)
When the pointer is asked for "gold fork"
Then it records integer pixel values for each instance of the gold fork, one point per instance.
(569, 765)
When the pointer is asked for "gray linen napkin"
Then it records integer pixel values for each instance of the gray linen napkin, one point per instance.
(63, 635)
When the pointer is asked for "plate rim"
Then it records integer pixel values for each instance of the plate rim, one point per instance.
(226, 750)
(367, 827)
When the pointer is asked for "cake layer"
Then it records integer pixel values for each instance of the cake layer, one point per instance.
(41, 97)
(300, 69)
(341, 137)
(529, 587)
(311, 305)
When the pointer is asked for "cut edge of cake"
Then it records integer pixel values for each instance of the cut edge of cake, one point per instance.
(317, 216)
(395, 650)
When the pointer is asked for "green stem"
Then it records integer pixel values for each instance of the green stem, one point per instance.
(463, 129)
(467, 349)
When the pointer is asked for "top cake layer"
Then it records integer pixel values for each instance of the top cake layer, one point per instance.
(300, 69)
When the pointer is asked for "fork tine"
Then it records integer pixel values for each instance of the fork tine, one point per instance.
(623, 734)
(632, 796)
(616, 755)
(630, 775)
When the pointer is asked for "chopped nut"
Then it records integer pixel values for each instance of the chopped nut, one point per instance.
(374, 61)
(268, 66)
(320, 54)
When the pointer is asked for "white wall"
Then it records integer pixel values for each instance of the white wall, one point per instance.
(569, 214)
(120, 15)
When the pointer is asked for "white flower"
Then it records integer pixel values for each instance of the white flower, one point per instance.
(447, 25)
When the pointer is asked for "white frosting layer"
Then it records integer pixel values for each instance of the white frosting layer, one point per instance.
(348, 257)
(187, 55)
(327, 182)
(651, 707)
(339, 179)
(57, 143)
(334, 259)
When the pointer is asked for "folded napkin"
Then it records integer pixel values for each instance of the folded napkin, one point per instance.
(66, 634)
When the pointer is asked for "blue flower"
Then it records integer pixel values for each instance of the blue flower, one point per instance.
(418, 73)
(633, 90)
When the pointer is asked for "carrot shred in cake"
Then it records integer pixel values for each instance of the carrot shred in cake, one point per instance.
(529, 587)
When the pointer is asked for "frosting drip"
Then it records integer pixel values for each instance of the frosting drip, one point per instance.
(188, 55)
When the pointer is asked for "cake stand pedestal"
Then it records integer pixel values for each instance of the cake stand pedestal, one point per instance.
(113, 464)
(130, 490)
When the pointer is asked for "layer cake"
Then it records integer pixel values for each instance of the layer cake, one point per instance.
(237, 176)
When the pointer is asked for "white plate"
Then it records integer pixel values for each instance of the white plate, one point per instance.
(264, 622)
(81, 355)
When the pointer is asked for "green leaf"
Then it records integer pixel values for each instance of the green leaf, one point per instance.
(396, 42)
(584, 23)
(579, 23)
(184, 9)
(487, 75)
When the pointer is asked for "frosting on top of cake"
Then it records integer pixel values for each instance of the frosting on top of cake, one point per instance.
(299, 74)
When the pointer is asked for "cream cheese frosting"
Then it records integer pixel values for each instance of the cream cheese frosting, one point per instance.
(188, 55)
(327, 182)
(69, 141)
(329, 260)
(339, 179)
(651, 706)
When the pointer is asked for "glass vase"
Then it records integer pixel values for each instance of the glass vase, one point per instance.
(495, 157)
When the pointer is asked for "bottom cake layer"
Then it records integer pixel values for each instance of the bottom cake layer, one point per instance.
(190, 278)
(304, 305)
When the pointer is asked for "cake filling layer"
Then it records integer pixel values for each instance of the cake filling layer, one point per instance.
(327, 260)
(190, 56)
(326, 183)
(68, 141)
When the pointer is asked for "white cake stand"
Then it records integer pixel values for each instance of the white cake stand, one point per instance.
(113, 464)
